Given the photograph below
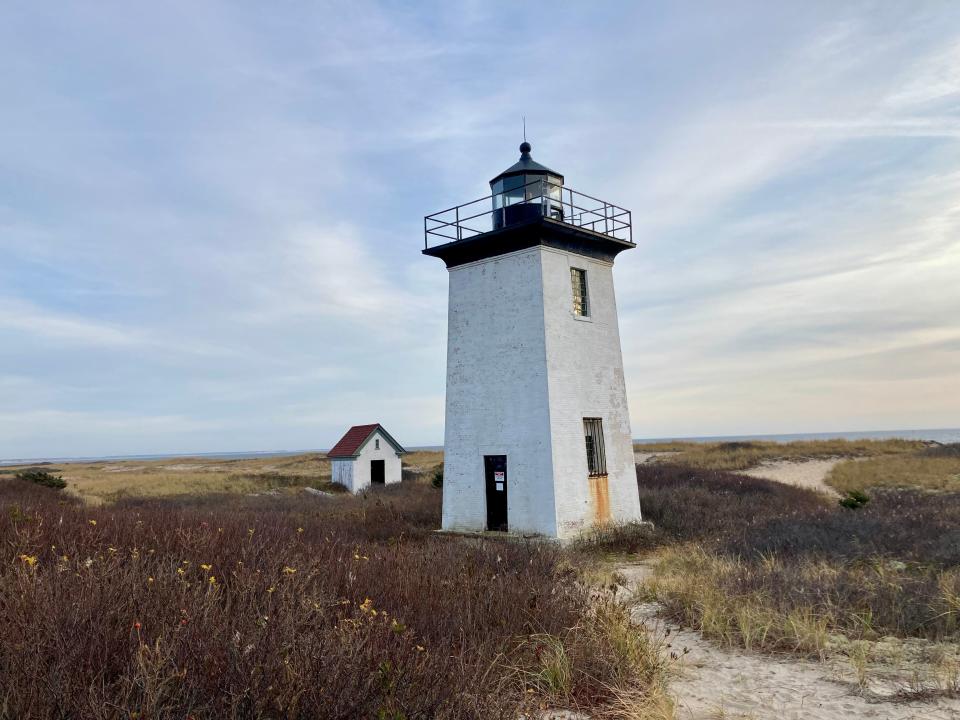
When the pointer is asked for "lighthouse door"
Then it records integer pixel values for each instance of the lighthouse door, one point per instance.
(495, 468)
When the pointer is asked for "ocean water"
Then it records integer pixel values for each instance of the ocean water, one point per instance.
(941, 435)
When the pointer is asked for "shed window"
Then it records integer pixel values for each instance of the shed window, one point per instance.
(596, 457)
(376, 444)
(578, 281)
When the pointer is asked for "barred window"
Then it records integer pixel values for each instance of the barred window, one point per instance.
(578, 281)
(596, 457)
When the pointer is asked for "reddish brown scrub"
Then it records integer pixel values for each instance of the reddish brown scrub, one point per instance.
(293, 607)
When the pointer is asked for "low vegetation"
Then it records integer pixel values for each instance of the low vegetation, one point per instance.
(211, 588)
(936, 470)
(110, 481)
(763, 565)
(745, 455)
(42, 477)
(299, 606)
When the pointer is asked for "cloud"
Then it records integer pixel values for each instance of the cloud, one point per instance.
(26, 318)
(212, 216)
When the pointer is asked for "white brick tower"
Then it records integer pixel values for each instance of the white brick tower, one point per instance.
(537, 428)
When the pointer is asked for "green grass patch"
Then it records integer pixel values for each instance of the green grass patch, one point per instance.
(917, 471)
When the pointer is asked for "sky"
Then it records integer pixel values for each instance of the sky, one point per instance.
(211, 214)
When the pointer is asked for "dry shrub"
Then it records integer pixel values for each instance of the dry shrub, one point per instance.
(294, 607)
(942, 450)
(766, 565)
(633, 663)
(795, 606)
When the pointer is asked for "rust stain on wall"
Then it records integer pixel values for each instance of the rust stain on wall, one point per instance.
(600, 495)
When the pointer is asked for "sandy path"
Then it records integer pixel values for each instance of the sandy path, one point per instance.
(802, 473)
(732, 684)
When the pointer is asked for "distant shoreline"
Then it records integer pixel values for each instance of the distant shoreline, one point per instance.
(941, 435)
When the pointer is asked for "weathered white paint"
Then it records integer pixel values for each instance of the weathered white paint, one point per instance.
(522, 373)
(354, 473)
(341, 471)
(585, 379)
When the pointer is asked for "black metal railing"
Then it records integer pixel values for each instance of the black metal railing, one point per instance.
(536, 199)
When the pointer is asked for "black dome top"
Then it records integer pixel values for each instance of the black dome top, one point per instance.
(526, 165)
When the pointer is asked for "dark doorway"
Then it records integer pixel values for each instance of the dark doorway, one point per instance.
(377, 472)
(495, 468)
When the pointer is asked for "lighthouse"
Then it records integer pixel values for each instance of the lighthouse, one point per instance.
(537, 438)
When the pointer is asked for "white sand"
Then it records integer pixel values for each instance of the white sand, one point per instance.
(802, 473)
(733, 684)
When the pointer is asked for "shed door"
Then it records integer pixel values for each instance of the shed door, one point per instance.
(377, 472)
(495, 468)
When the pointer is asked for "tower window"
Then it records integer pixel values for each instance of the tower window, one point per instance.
(578, 281)
(596, 457)
(376, 444)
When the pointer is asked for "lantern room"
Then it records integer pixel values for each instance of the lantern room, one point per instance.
(525, 191)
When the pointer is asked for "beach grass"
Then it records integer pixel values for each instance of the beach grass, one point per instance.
(919, 470)
(743, 455)
(768, 566)
(109, 481)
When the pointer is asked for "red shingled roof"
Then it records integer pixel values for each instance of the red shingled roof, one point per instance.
(350, 444)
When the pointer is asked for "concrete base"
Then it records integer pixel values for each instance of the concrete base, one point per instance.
(495, 535)
(527, 537)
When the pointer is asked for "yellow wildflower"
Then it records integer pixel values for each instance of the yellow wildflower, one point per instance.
(181, 571)
(421, 648)
(30, 560)
(250, 530)
(289, 570)
(205, 567)
(64, 558)
(149, 580)
(112, 549)
(92, 522)
(213, 580)
(271, 589)
(299, 530)
(367, 605)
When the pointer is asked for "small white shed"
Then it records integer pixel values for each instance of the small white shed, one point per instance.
(366, 455)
